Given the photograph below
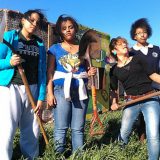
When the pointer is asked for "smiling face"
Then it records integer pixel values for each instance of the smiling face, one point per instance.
(68, 30)
(141, 36)
(31, 23)
(121, 47)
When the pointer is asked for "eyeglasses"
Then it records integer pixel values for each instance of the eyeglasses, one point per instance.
(141, 33)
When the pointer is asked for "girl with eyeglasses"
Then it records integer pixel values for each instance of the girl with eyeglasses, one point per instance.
(140, 32)
(136, 77)
(16, 110)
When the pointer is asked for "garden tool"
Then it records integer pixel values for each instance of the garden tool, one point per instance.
(23, 76)
(140, 98)
(90, 48)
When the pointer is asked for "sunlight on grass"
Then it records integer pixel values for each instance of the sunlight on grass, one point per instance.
(103, 147)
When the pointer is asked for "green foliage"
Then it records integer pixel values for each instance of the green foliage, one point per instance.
(103, 147)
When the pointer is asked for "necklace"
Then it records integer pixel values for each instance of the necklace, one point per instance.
(121, 63)
(125, 62)
(71, 48)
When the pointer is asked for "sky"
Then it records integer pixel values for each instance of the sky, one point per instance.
(113, 17)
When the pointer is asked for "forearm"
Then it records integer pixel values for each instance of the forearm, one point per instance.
(50, 73)
(155, 77)
(51, 100)
(114, 100)
(50, 87)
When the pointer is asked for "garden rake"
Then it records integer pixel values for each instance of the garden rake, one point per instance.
(89, 45)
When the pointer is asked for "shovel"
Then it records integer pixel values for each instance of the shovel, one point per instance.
(139, 99)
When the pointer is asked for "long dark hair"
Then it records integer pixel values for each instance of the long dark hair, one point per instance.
(64, 18)
(42, 20)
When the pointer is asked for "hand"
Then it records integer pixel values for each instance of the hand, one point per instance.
(15, 60)
(114, 106)
(38, 108)
(92, 71)
(51, 101)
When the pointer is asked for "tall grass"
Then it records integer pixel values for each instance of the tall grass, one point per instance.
(104, 147)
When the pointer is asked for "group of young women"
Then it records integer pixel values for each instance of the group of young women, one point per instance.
(137, 68)
(67, 75)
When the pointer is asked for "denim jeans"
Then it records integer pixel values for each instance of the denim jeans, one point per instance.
(151, 112)
(69, 114)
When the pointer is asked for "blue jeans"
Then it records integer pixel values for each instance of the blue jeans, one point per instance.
(151, 112)
(69, 114)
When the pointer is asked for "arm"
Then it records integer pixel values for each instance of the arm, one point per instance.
(4, 57)
(51, 100)
(114, 105)
(114, 98)
(155, 77)
(42, 72)
(5, 51)
(114, 88)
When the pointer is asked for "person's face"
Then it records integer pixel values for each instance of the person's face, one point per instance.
(121, 47)
(141, 35)
(31, 23)
(68, 30)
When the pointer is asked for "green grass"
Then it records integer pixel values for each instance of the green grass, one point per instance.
(104, 147)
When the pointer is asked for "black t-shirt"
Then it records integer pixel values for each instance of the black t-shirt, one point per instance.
(134, 76)
(29, 52)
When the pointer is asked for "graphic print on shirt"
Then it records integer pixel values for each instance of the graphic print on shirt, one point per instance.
(70, 62)
(31, 50)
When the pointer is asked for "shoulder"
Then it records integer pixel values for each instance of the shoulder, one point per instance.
(113, 69)
(133, 52)
(156, 47)
(10, 34)
(154, 51)
(55, 47)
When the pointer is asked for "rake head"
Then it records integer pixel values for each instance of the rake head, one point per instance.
(96, 121)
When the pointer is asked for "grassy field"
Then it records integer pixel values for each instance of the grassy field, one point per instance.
(104, 147)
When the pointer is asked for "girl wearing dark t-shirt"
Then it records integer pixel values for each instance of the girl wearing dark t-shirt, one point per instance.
(136, 78)
(16, 110)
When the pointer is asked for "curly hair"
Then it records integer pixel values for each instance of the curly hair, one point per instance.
(140, 23)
